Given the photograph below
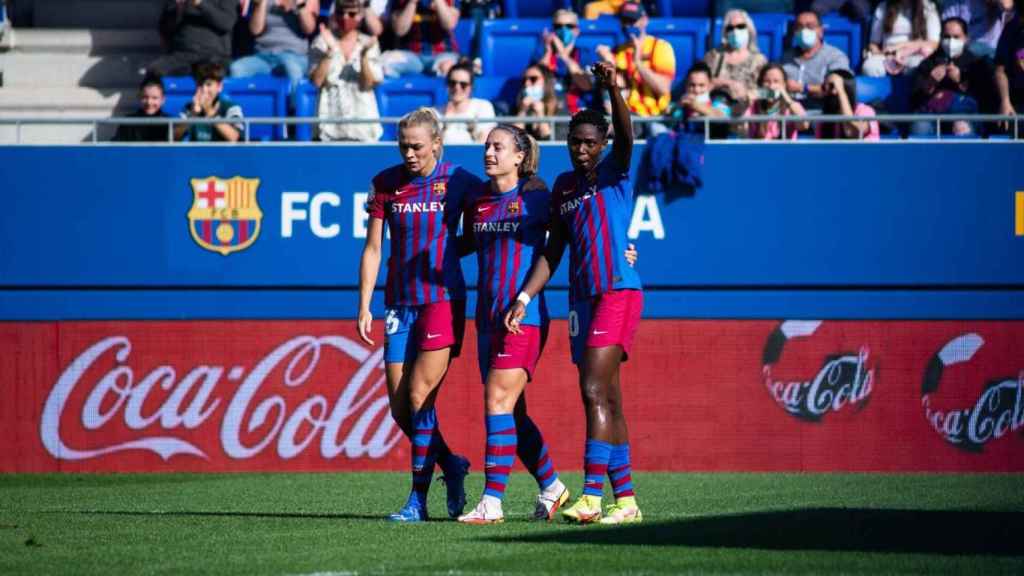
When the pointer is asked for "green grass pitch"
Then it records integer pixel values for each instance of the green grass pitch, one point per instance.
(332, 523)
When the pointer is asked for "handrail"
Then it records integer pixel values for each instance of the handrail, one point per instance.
(247, 122)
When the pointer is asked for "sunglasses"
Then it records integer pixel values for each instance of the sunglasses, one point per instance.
(566, 26)
(459, 83)
(532, 79)
(351, 14)
(732, 27)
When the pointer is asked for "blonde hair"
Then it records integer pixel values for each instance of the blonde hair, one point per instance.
(525, 144)
(422, 116)
(752, 44)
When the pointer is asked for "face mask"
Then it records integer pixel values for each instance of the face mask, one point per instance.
(738, 39)
(533, 92)
(565, 35)
(704, 98)
(953, 47)
(806, 39)
(631, 31)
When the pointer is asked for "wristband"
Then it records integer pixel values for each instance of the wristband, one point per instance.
(524, 298)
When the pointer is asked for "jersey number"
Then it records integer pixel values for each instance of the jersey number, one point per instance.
(391, 322)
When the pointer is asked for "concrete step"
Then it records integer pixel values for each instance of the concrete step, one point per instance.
(93, 41)
(42, 102)
(96, 13)
(34, 69)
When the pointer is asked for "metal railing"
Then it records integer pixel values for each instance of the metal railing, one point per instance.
(1012, 123)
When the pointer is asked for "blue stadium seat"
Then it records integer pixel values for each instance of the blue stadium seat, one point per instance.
(845, 35)
(533, 8)
(684, 8)
(873, 89)
(688, 37)
(508, 45)
(306, 99)
(259, 97)
(594, 32)
(401, 95)
(771, 31)
(464, 34)
(502, 91)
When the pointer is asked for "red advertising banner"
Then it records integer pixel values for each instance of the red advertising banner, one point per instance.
(223, 396)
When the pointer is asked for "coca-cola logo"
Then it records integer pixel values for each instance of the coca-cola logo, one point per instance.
(168, 411)
(998, 410)
(844, 379)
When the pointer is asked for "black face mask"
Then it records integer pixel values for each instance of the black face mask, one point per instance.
(831, 103)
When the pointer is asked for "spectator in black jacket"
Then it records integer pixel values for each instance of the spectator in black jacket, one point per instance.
(194, 31)
(953, 80)
(151, 105)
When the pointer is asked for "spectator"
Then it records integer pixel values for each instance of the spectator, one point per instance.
(1010, 65)
(346, 68)
(537, 98)
(841, 100)
(373, 23)
(985, 21)
(649, 77)
(772, 99)
(810, 58)
(592, 10)
(209, 101)
(194, 31)
(952, 80)
(281, 29)
(903, 33)
(151, 105)
(737, 61)
(858, 11)
(461, 104)
(700, 101)
(559, 54)
(425, 33)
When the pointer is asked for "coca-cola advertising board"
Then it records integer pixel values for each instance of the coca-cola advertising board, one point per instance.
(701, 395)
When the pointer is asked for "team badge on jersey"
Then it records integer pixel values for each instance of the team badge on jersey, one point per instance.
(513, 207)
(225, 215)
(440, 188)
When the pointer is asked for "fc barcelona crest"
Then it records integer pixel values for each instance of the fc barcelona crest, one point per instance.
(440, 188)
(225, 216)
(513, 207)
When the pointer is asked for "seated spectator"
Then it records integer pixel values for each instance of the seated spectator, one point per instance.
(903, 33)
(461, 104)
(210, 102)
(425, 36)
(1010, 65)
(194, 31)
(592, 10)
(985, 21)
(858, 11)
(346, 68)
(772, 99)
(700, 101)
(649, 77)
(952, 80)
(737, 61)
(558, 53)
(280, 29)
(537, 98)
(841, 100)
(151, 105)
(810, 58)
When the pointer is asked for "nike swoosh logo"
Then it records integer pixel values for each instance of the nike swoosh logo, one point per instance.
(432, 336)
(398, 192)
(483, 209)
(500, 355)
(599, 332)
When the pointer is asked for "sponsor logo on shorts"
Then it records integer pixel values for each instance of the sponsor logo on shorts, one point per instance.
(844, 379)
(503, 355)
(999, 409)
(599, 332)
(432, 336)
(225, 215)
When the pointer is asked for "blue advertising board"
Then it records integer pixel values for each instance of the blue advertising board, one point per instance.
(822, 230)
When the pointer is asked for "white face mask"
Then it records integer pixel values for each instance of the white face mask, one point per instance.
(738, 38)
(808, 38)
(534, 92)
(704, 98)
(953, 47)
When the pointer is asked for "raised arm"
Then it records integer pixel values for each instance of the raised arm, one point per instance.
(622, 147)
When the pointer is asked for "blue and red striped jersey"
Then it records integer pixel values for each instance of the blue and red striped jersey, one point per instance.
(596, 215)
(422, 213)
(509, 229)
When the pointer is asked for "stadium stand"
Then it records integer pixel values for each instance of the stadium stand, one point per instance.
(844, 35)
(401, 95)
(259, 97)
(771, 33)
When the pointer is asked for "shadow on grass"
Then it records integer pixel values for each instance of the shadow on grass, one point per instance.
(832, 529)
(211, 514)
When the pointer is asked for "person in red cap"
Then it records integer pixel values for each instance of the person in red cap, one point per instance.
(647, 64)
